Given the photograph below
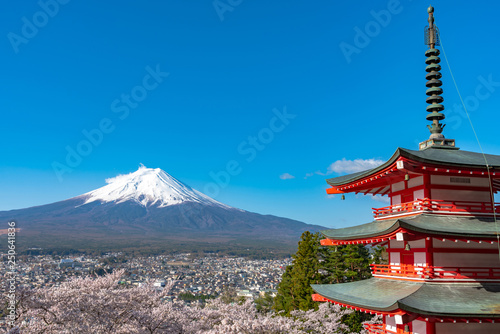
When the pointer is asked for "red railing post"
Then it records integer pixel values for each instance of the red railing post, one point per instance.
(377, 329)
(432, 272)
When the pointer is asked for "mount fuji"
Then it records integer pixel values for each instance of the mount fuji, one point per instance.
(150, 209)
(149, 187)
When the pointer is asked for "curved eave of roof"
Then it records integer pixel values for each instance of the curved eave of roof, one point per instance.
(456, 226)
(456, 300)
(374, 293)
(446, 157)
(340, 180)
(432, 299)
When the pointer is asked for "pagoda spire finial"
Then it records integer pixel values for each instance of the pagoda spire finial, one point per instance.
(434, 89)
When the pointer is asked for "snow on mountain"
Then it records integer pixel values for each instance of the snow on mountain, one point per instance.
(147, 187)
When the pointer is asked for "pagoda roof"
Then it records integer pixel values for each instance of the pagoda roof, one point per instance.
(433, 156)
(431, 299)
(375, 293)
(429, 224)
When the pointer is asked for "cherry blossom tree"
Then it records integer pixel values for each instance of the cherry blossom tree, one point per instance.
(101, 305)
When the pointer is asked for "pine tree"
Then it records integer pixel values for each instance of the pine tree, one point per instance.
(314, 264)
(306, 271)
(380, 255)
(357, 263)
(294, 292)
(334, 264)
(283, 299)
(343, 264)
(346, 263)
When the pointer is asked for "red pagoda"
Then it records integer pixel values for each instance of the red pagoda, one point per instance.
(440, 232)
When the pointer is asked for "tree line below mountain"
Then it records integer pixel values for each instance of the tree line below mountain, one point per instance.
(253, 251)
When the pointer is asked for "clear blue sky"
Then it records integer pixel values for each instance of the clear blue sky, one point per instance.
(86, 66)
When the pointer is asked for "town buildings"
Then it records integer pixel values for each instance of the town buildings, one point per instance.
(208, 275)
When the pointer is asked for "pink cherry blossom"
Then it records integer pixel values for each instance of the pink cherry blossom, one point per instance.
(102, 306)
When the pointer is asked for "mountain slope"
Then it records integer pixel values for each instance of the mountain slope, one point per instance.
(149, 208)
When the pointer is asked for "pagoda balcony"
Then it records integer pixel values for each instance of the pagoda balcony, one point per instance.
(377, 329)
(438, 207)
(433, 273)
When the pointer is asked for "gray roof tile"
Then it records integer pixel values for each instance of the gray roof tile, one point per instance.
(433, 299)
(425, 223)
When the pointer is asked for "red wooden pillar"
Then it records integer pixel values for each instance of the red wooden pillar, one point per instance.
(431, 328)
(427, 186)
(429, 252)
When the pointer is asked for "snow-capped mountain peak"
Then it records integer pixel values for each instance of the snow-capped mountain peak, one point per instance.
(148, 186)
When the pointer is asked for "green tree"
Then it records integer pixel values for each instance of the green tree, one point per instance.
(380, 255)
(355, 321)
(314, 264)
(347, 263)
(295, 292)
(333, 264)
(283, 299)
(356, 259)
